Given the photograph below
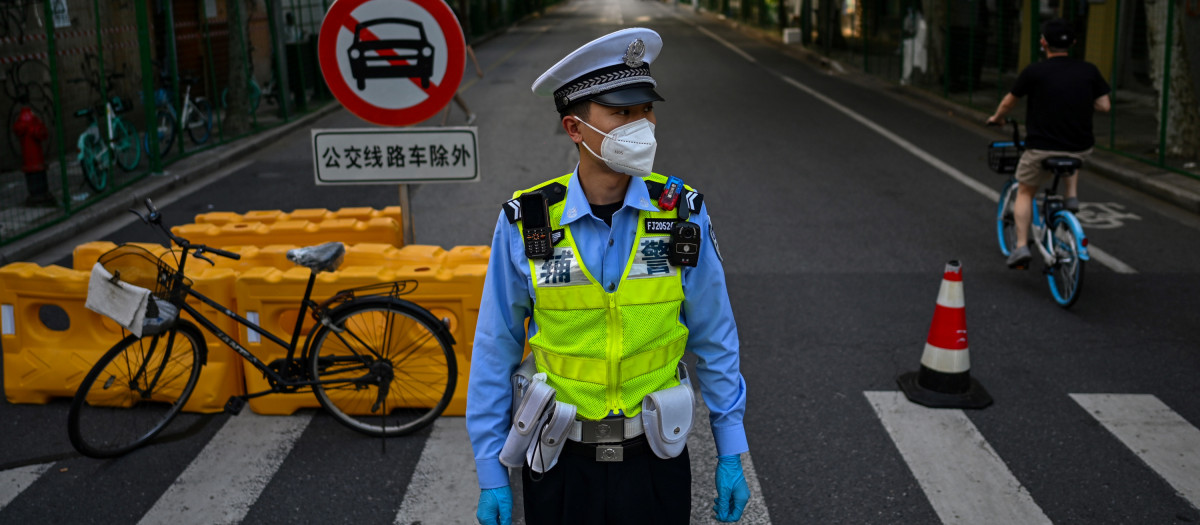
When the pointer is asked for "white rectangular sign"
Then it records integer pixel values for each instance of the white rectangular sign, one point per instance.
(406, 155)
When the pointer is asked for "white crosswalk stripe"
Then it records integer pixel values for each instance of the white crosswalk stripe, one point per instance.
(226, 478)
(962, 476)
(1156, 434)
(14, 481)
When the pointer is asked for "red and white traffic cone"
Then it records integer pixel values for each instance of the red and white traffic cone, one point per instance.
(944, 380)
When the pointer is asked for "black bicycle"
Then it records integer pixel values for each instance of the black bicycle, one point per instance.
(378, 364)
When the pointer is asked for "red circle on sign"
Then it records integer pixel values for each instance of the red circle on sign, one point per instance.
(439, 94)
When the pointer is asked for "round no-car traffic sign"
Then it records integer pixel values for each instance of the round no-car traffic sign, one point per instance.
(392, 62)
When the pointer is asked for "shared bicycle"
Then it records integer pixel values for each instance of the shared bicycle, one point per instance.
(377, 363)
(1056, 233)
(197, 117)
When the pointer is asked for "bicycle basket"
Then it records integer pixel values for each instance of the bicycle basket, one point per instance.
(118, 104)
(137, 266)
(1004, 156)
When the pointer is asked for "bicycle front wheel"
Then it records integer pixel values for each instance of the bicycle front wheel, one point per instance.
(95, 170)
(1066, 275)
(1005, 224)
(125, 143)
(385, 367)
(199, 121)
(134, 391)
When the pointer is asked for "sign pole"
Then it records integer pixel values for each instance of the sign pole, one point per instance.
(406, 216)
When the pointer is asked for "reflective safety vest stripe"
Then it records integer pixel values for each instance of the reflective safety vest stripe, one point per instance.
(603, 352)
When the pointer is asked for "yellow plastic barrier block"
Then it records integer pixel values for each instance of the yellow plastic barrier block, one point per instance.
(300, 233)
(221, 218)
(272, 296)
(50, 340)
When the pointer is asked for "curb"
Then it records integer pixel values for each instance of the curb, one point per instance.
(184, 172)
(1176, 189)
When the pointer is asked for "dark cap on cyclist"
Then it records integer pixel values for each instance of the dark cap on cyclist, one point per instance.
(613, 70)
(1058, 33)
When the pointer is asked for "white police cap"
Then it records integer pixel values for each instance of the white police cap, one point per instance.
(613, 70)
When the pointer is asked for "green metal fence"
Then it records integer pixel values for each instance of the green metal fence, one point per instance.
(971, 51)
(127, 87)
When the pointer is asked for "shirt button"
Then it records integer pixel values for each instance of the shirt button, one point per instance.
(611, 287)
(610, 242)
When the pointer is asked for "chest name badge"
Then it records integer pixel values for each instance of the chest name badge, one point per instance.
(651, 259)
(659, 226)
(561, 269)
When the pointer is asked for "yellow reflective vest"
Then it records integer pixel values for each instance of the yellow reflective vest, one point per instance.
(603, 352)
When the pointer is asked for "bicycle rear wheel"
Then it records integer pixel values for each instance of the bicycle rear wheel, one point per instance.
(199, 121)
(125, 144)
(386, 342)
(1066, 275)
(1005, 224)
(135, 390)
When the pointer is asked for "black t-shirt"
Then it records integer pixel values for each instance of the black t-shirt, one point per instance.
(1062, 92)
(605, 212)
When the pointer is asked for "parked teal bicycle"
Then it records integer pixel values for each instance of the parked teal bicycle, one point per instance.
(1056, 232)
(99, 146)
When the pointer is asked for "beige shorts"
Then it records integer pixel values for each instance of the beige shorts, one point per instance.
(1030, 171)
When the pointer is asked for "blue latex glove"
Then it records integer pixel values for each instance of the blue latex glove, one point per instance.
(732, 490)
(495, 507)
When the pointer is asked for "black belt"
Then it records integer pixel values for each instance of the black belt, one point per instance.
(608, 452)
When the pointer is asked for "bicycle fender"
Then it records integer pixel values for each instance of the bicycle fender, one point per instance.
(91, 130)
(1077, 229)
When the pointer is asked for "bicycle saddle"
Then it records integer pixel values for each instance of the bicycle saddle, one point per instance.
(320, 258)
(83, 112)
(1062, 164)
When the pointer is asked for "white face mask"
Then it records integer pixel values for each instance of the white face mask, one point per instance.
(628, 149)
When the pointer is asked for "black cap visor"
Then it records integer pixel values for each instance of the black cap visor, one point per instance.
(629, 96)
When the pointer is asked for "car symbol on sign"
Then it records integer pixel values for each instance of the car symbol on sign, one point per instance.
(376, 57)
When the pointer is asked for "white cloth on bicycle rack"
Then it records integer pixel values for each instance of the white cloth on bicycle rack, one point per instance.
(120, 301)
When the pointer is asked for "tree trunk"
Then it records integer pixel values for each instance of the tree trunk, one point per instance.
(237, 112)
(935, 20)
(1182, 113)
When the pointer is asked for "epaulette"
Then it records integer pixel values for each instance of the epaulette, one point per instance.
(693, 198)
(554, 192)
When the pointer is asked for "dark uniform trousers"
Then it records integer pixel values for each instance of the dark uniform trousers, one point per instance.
(580, 490)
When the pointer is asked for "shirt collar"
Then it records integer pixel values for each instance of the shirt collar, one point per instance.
(576, 204)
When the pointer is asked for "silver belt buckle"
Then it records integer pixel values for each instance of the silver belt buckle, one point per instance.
(602, 431)
(610, 453)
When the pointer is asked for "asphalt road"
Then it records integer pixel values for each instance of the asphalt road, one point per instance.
(834, 236)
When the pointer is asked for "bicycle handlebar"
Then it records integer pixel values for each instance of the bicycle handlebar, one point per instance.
(154, 218)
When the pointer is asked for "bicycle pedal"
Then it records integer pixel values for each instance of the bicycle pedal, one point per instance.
(235, 405)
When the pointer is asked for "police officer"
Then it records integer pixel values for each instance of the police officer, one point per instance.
(629, 278)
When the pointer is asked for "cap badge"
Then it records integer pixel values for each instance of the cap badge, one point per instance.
(634, 53)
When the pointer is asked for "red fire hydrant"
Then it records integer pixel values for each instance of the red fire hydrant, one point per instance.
(32, 132)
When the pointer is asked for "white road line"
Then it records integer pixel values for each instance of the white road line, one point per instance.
(962, 476)
(14, 481)
(1099, 255)
(702, 451)
(725, 43)
(230, 473)
(1156, 434)
(445, 473)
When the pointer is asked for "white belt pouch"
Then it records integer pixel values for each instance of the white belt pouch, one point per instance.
(527, 417)
(667, 417)
(543, 452)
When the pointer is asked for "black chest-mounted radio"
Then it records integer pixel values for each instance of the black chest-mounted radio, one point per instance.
(535, 226)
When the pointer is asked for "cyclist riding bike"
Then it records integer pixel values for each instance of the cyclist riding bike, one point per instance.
(1063, 95)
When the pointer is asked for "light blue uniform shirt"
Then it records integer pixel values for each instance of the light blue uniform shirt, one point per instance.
(508, 302)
